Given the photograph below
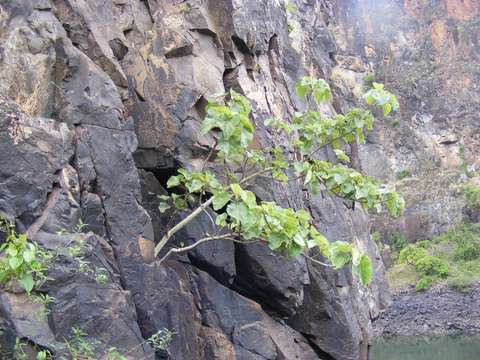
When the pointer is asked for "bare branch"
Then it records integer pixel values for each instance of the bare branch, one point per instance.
(254, 175)
(195, 213)
(209, 154)
(209, 216)
(316, 261)
(180, 225)
(230, 237)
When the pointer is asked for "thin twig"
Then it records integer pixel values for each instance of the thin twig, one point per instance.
(242, 168)
(254, 175)
(230, 237)
(209, 216)
(328, 143)
(180, 225)
(316, 261)
(195, 213)
(209, 155)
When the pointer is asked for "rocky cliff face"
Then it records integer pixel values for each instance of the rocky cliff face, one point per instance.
(427, 52)
(101, 102)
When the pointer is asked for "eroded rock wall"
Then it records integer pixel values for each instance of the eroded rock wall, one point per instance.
(427, 52)
(101, 102)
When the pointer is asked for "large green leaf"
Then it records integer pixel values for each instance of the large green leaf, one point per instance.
(12, 251)
(276, 240)
(302, 87)
(27, 282)
(15, 262)
(163, 206)
(248, 198)
(208, 124)
(173, 181)
(237, 189)
(365, 269)
(340, 254)
(221, 220)
(220, 199)
(29, 254)
(195, 185)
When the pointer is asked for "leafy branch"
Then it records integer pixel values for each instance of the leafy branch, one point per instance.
(241, 216)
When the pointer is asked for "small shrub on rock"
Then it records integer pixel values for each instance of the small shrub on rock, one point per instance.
(402, 174)
(472, 195)
(432, 265)
(427, 266)
(424, 283)
(466, 250)
(412, 254)
(398, 241)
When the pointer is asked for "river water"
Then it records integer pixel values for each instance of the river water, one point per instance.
(423, 348)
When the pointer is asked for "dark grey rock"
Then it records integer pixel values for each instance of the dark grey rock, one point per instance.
(439, 311)
(122, 70)
(33, 150)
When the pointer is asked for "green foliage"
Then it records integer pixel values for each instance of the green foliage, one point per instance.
(376, 237)
(19, 349)
(20, 353)
(467, 250)
(78, 346)
(194, 182)
(379, 96)
(466, 241)
(290, 27)
(462, 282)
(454, 255)
(232, 120)
(317, 88)
(114, 354)
(161, 339)
(431, 265)
(427, 266)
(369, 79)
(44, 355)
(290, 231)
(425, 244)
(342, 181)
(424, 263)
(402, 174)
(424, 283)
(184, 8)
(101, 275)
(284, 229)
(80, 227)
(290, 8)
(398, 241)
(363, 267)
(76, 251)
(411, 253)
(472, 195)
(45, 300)
(466, 238)
(20, 260)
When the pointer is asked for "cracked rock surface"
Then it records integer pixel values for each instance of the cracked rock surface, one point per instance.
(100, 101)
